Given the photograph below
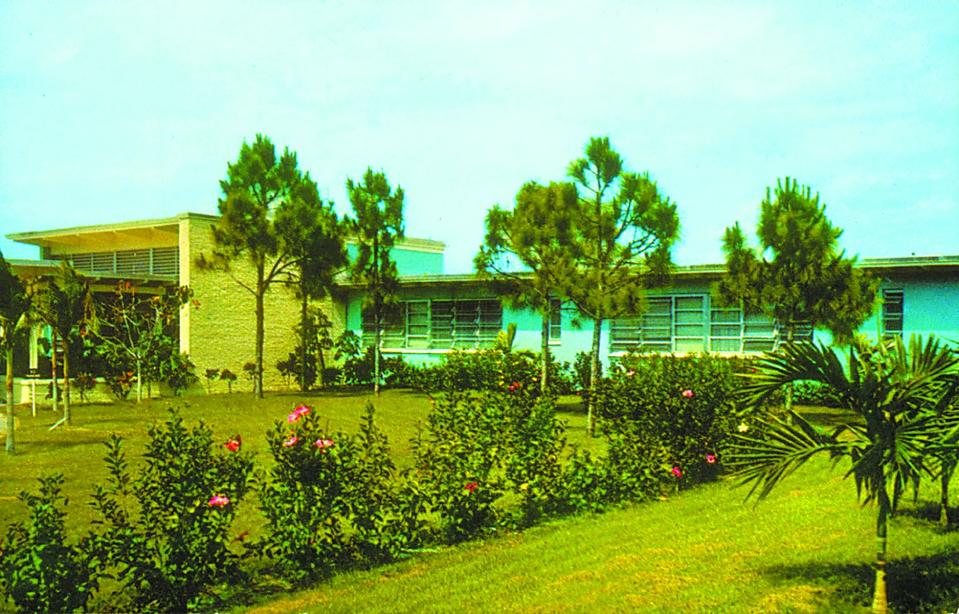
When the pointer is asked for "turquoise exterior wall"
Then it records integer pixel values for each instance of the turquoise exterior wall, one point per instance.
(409, 261)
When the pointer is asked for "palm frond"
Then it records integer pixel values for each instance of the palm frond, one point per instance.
(782, 447)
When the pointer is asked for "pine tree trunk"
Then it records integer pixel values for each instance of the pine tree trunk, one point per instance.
(303, 307)
(376, 360)
(880, 602)
(378, 316)
(322, 367)
(53, 367)
(948, 468)
(67, 418)
(788, 390)
(258, 376)
(593, 377)
(139, 380)
(544, 367)
(11, 444)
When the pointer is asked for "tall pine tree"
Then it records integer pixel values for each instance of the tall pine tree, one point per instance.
(622, 232)
(534, 235)
(259, 193)
(798, 275)
(378, 224)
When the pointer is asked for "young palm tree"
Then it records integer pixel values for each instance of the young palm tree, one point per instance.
(66, 305)
(898, 394)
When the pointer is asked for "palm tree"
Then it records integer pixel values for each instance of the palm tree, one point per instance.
(66, 305)
(14, 305)
(896, 393)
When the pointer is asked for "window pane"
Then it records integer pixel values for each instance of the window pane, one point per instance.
(690, 345)
(725, 345)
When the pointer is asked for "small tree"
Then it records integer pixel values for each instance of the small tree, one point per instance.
(229, 377)
(896, 394)
(66, 305)
(269, 214)
(314, 235)
(622, 232)
(806, 278)
(378, 224)
(136, 329)
(535, 233)
(14, 307)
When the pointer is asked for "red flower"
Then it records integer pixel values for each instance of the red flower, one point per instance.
(218, 501)
(677, 471)
(323, 444)
(234, 444)
(298, 413)
(289, 443)
(470, 487)
(688, 394)
(711, 459)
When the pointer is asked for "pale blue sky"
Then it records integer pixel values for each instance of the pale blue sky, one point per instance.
(113, 111)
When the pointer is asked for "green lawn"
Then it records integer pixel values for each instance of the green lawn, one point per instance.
(807, 548)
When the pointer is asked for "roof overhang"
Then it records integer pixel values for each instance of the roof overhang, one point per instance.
(45, 269)
(163, 230)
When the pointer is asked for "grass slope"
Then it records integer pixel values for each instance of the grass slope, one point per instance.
(807, 548)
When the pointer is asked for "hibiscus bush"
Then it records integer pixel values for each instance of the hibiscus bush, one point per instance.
(39, 570)
(331, 499)
(670, 416)
(489, 459)
(165, 532)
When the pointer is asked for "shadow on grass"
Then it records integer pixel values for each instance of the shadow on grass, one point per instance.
(916, 584)
(928, 512)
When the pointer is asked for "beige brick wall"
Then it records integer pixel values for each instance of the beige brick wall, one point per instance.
(221, 333)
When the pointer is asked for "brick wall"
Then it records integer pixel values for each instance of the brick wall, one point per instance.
(221, 333)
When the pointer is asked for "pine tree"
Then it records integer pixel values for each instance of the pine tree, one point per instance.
(534, 235)
(798, 276)
(378, 224)
(259, 193)
(622, 232)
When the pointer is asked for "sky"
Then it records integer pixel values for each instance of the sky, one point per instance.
(117, 111)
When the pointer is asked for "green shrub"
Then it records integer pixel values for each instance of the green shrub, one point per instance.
(166, 531)
(358, 370)
(330, 500)
(178, 372)
(814, 393)
(39, 570)
(478, 448)
(677, 412)
(490, 370)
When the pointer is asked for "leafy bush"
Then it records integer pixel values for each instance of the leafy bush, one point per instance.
(166, 531)
(178, 372)
(476, 449)
(814, 393)
(120, 384)
(290, 368)
(330, 498)
(490, 370)
(359, 370)
(678, 412)
(39, 571)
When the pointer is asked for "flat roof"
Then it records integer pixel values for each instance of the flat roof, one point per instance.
(925, 264)
(46, 268)
(66, 236)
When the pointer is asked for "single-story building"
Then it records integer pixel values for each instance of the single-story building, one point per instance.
(442, 312)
